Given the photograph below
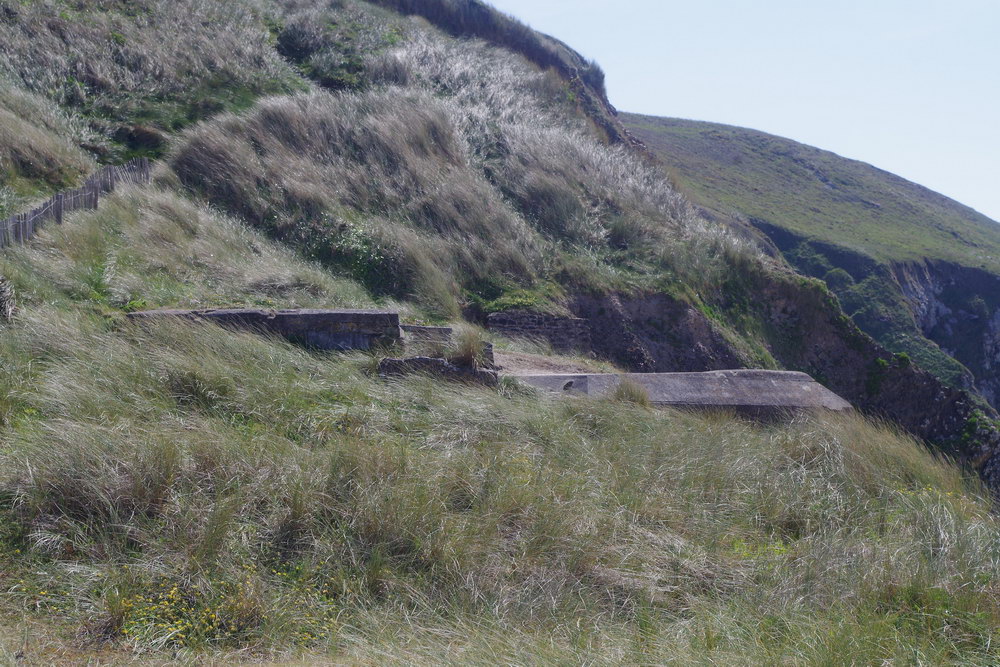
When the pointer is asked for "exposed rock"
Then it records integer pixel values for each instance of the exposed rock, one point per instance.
(441, 368)
(959, 309)
(655, 333)
(805, 331)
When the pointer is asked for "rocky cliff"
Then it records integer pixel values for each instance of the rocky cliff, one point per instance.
(916, 270)
(959, 309)
(804, 330)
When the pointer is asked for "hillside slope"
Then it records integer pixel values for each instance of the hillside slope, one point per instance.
(916, 270)
(179, 492)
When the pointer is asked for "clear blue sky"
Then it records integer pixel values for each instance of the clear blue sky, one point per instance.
(911, 86)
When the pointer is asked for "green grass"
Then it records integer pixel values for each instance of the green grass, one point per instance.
(184, 490)
(819, 195)
(181, 492)
(844, 222)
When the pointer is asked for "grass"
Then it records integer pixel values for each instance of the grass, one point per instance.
(39, 150)
(868, 234)
(421, 185)
(480, 20)
(150, 248)
(180, 492)
(812, 192)
(108, 61)
(468, 347)
(183, 488)
(630, 391)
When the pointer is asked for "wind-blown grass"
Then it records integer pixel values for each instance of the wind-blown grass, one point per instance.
(184, 492)
(181, 486)
(112, 61)
(149, 248)
(39, 148)
(461, 167)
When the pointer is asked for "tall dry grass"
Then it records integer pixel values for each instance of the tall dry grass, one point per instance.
(465, 168)
(153, 61)
(476, 19)
(180, 486)
(39, 149)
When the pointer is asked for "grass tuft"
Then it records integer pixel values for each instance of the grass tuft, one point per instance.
(630, 391)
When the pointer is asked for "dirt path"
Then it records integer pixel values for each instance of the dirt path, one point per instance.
(522, 363)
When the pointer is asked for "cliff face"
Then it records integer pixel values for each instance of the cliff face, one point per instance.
(804, 330)
(915, 270)
(655, 333)
(959, 309)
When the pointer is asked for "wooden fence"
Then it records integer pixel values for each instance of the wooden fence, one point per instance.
(19, 228)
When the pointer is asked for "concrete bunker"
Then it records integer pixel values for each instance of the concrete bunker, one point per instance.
(748, 392)
(317, 329)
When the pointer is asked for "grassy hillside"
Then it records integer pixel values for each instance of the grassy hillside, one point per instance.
(819, 195)
(186, 493)
(858, 228)
(453, 170)
(202, 493)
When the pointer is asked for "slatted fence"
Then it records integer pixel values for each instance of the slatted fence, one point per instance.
(17, 229)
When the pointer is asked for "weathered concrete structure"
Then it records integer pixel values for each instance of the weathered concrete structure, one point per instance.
(441, 368)
(564, 334)
(318, 329)
(753, 392)
(425, 334)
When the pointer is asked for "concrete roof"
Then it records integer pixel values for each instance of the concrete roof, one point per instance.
(731, 389)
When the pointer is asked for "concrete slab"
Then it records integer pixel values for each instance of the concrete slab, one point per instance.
(754, 391)
(315, 328)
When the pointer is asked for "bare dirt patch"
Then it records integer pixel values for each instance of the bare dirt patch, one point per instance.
(523, 363)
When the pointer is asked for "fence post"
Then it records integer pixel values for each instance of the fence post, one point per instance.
(20, 227)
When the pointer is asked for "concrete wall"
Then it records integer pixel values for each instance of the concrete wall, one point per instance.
(422, 334)
(318, 329)
(564, 334)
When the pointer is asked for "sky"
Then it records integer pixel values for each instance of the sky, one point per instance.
(910, 86)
